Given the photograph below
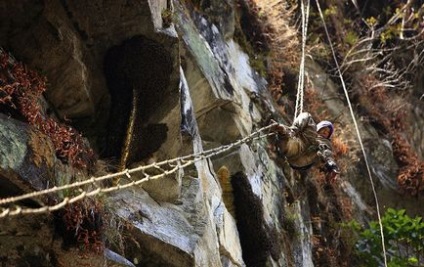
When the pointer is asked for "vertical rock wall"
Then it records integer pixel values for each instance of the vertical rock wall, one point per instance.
(147, 81)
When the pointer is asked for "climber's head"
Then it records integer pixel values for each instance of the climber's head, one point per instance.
(325, 129)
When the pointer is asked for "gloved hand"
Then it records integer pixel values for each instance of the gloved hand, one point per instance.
(278, 128)
(331, 166)
(331, 177)
(332, 171)
(274, 140)
(293, 131)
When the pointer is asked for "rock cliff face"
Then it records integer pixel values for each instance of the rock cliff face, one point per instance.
(151, 80)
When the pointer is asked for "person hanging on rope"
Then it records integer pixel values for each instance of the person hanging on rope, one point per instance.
(304, 144)
(325, 131)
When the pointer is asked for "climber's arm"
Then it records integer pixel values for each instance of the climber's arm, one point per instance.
(280, 129)
(325, 153)
(278, 141)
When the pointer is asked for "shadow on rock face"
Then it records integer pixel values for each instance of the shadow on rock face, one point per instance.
(138, 75)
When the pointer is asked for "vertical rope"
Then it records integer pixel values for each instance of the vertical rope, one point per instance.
(301, 80)
(357, 132)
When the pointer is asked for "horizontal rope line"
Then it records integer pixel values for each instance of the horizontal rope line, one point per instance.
(182, 162)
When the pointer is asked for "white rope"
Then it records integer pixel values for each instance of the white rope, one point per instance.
(181, 163)
(357, 132)
(301, 80)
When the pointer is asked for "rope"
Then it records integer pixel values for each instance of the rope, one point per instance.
(357, 132)
(181, 163)
(301, 80)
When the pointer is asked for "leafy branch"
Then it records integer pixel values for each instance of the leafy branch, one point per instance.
(403, 238)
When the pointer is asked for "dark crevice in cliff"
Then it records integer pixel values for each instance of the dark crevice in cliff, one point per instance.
(138, 74)
(257, 239)
(26, 15)
(10, 189)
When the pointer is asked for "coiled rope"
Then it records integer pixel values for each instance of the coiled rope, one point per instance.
(357, 132)
(177, 163)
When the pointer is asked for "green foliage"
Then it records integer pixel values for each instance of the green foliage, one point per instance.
(403, 238)
(289, 224)
(371, 21)
(351, 38)
(332, 10)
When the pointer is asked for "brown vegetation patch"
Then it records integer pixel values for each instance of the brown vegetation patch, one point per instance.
(391, 121)
(254, 26)
(328, 209)
(81, 224)
(273, 17)
(21, 91)
(376, 67)
(43, 151)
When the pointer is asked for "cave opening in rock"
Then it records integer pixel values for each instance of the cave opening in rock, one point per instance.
(138, 76)
(255, 235)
